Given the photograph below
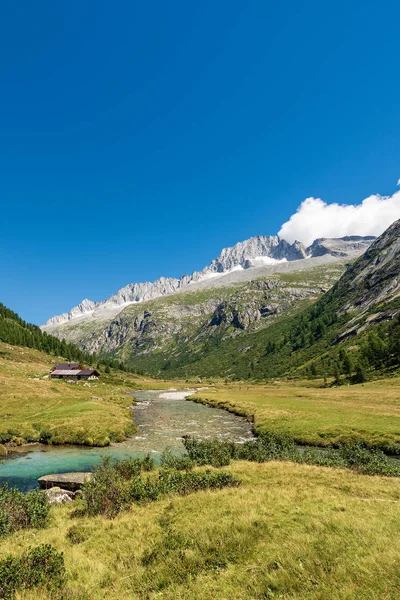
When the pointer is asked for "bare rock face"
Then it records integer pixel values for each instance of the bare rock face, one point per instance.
(340, 246)
(258, 301)
(244, 253)
(254, 252)
(375, 276)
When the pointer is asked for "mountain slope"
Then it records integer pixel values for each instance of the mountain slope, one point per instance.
(262, 328)
(352, 331)
(262, 252)
(161, 335)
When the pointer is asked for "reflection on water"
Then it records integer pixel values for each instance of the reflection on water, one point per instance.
(162, 419)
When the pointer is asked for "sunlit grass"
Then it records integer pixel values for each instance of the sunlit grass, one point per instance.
(317, 415)
(31, 406)
(289, 531)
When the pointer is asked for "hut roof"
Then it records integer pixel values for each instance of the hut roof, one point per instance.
(71, 372)
(89, 372)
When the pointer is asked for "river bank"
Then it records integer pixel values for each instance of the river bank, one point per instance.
(162, 417)
(316, 416)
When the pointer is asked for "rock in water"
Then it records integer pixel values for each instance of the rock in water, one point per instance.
(69, 481)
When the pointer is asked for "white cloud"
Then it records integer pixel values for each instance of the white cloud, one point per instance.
(315, 218)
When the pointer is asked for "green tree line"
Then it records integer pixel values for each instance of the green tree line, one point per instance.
(17, 332)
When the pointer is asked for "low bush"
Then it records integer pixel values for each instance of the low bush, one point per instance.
(76, 535)
(271, 446)
(145, 489)
(132, 467)
(267, 446)
(367, 461)
(110, 492)
(177, 482)
(209, 452)
(180, 463)
(42, 566)
(22, 511)
(106, 493)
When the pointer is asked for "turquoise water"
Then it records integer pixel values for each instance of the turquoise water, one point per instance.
(161, 423)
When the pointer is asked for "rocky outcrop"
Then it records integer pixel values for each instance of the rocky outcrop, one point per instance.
(181, 327)
(268, 298)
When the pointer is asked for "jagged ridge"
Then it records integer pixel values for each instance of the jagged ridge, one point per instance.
(256, 251)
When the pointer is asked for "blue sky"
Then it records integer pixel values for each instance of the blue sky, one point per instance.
(139, 138)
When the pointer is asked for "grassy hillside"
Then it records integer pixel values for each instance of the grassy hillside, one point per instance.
(286, 324)
(35, 408)
(289, 531)
(16, 331)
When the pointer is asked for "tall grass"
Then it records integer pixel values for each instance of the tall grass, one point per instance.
(288, 531)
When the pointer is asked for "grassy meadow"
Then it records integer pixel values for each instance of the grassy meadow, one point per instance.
(289, 531)
(34, 408)
(315, 415)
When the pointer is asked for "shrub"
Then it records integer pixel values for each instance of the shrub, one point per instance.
(272, 446)
(114, 487)
(42, 566)
(22, 511)
(268, 446)
(76, 535)
(45, 436)
(172, 481)
(180, 463)
(144, 490)
(132, 467)
(368, 461)
(208, 452)
(106, 492)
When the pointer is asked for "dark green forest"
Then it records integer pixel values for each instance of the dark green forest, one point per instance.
(17, 332)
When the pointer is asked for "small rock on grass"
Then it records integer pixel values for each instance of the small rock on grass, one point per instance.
(57, 495)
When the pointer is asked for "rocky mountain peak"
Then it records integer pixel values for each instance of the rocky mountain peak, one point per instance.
(244, 253)
(258, 251)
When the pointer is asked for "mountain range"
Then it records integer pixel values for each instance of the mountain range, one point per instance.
(262, 252)
(261, 309)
